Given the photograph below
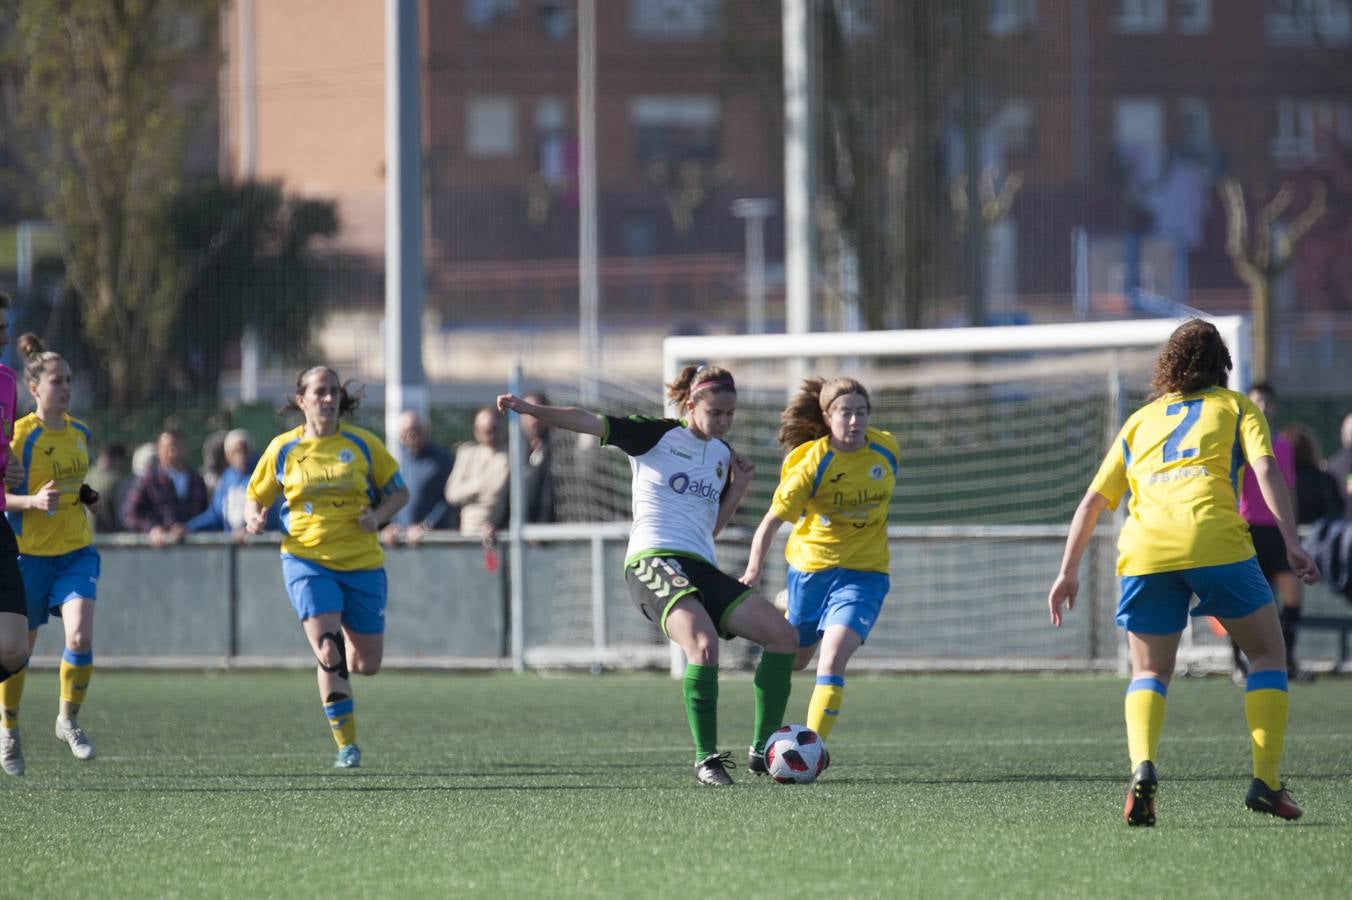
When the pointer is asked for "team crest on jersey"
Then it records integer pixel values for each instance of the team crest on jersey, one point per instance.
(345, 456)
(876, 473)
(718, 471)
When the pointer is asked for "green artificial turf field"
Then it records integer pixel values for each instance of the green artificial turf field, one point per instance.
(218, 785)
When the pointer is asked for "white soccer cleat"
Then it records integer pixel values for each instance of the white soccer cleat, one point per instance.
(11, 751)
(81, 747)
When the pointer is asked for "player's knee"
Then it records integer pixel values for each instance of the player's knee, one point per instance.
(702, 650)
(783, 638)
(13, 655)
(365, 665)
(79, 642)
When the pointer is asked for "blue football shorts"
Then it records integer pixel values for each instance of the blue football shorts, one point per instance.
(51, 581)
(818, 600)
(1158, 603)
(315, 589)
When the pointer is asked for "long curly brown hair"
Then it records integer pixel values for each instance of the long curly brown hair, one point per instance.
(1194, 357)
(804, 419)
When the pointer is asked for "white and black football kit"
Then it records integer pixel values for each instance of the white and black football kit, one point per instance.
(678, 482)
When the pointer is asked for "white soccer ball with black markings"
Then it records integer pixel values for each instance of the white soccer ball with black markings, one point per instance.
(795, 754)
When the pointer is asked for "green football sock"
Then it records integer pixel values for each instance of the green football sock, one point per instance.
(701, 708)
(772, 683)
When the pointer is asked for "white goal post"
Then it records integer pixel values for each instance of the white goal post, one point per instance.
(1001, 429)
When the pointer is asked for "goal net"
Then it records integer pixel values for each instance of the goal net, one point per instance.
(1001, 430)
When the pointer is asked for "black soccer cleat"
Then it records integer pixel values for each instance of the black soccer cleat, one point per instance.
(1264, 799)
(755, 762)
(1140, 808)
(713, 769)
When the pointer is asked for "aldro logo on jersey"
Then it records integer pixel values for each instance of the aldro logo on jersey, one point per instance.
(681, 484)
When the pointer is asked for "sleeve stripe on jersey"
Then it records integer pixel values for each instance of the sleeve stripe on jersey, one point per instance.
(28, 447)
(361, 445)
(281, 459)
(885, 454)
(1236, 456)
(82, 428)
(821, 471)
(1126, 454)
(372, 492)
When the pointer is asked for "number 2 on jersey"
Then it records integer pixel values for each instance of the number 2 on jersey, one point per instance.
(1192, 411)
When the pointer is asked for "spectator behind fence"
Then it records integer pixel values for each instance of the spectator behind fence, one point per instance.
(162, 501)
(214, 462)
(479, 476)
(1340, 465)
(109, 476)
(537, 485)
(1318, 494)
(426, 468)
(226, 511)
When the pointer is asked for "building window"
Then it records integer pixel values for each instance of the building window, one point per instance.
(1309, 129)
(1138, 135)
(1007, 17)
(673, 19)
(1194, 127)
(552, 142)
(1192, 16)
(491, 127)
(673, 129)
(1305, 23)
(1139, 16)
(482, 14)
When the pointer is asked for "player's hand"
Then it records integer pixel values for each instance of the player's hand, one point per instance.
(367, 521)
(510, 401)
(1063, 591)
(47, 497)
(1303, 564)
(751, 577)
(15, 476)
(256, 521)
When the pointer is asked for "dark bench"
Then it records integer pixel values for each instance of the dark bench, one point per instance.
(1340, 624)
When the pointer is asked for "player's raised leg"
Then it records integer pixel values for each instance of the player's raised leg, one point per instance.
(759, 622)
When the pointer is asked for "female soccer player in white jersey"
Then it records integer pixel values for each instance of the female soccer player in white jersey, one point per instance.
(14, 646)
(835, 487)
(340, 485)
(57, 558)
(1180, 456)
(687, 484)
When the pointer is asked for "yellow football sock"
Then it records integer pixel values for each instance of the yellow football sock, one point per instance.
(76, 670)
(343, 720)
(11, 693)
(1266, 703)
(1145, 719)
(824, 707)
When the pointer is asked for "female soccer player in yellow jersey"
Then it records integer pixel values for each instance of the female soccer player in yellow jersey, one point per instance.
(57, 558)
(339, 484)
(835, 487)
(1180, 456)
(687, 484)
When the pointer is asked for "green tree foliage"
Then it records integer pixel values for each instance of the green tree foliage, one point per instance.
(249, 255)
(101, 91)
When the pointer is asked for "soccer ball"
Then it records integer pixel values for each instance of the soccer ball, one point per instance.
(795, 754)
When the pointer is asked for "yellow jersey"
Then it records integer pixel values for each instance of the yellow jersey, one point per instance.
(326, 483)
(59, 455)
(1181, 457)
(838, 503)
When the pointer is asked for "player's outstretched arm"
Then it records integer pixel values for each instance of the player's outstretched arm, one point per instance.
(760, 548)
(569, 418)
(1067, 584)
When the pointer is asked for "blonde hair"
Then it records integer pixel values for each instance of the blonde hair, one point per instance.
(36, 356)
(804, 419)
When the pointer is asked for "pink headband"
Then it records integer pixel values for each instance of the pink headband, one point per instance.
(712, 382)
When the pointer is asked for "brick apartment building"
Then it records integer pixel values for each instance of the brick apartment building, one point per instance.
(1120, 117)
